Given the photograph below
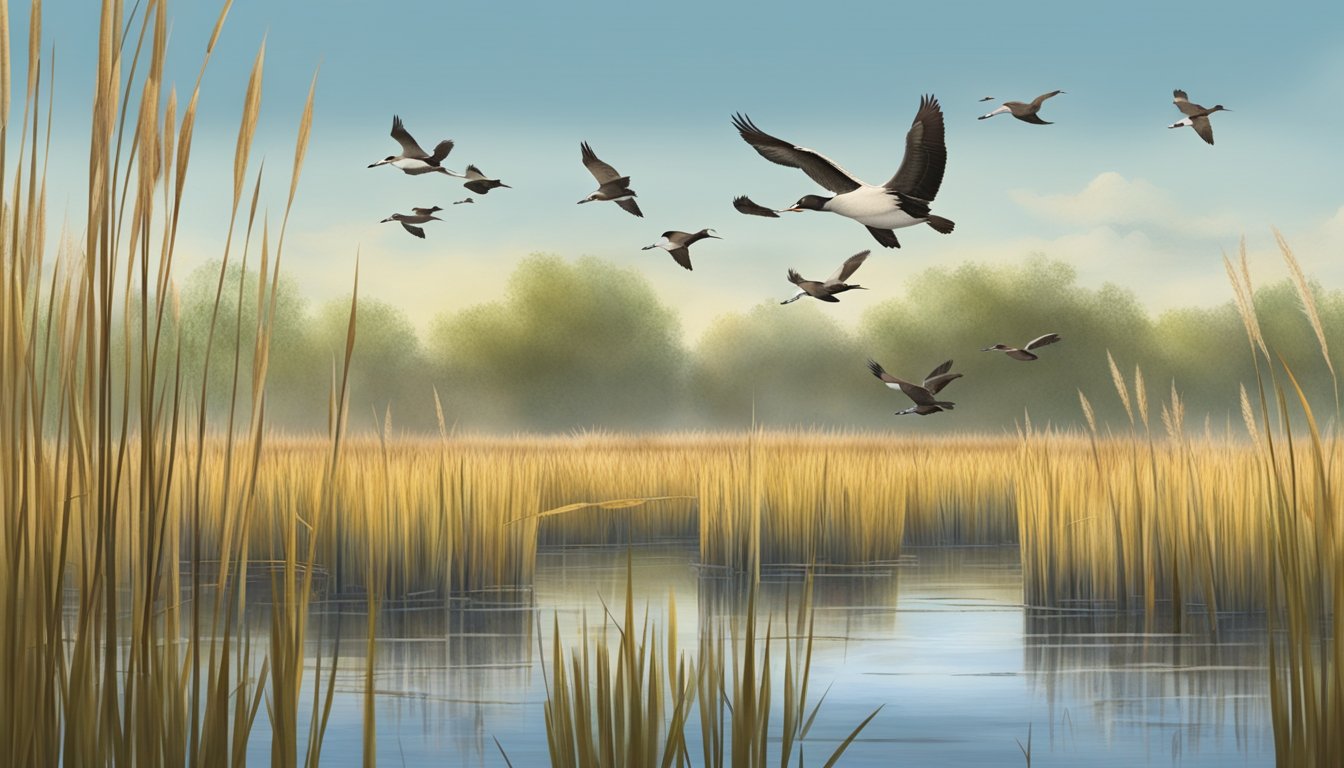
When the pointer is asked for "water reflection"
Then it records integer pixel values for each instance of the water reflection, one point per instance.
(940, 639)
(1150, 683)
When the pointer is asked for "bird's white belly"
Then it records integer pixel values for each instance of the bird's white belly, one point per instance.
(873, 207)
(411, 164)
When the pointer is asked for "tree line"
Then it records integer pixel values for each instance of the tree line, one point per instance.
(585, 344)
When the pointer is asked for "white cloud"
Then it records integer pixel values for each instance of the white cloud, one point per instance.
(1110, 199)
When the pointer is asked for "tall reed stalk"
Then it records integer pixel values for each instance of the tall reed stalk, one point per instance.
(1306, 602)
(121, 646)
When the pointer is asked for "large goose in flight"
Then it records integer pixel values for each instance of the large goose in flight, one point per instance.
(902, 201)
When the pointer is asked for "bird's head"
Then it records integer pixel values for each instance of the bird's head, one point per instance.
(393, 217)
(710, 233)
(809, 203)
(588, 199)
(384, 161)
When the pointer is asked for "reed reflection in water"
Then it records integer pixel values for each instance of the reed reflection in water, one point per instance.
(940, 638)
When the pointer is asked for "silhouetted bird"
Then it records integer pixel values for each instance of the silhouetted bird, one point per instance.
(419, 216)
(1024, 353)
(414, 160)
(679, 244)
(478, 183)
(611, 185)
(1196, 117)
(826, 290)
(923, 396)
(1024, 111)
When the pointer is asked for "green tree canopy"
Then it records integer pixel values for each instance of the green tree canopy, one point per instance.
(573, 345)
(387, 367)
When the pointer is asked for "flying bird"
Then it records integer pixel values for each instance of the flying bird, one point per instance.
(478, 183)
(922, 395)
(679, 244)
(418, 216)
(611, 185)
(1026, 112)
(413, 160)
(462, 201)
(743, 204)
(1025, 354)
(826, 290)
(987, 98)
(1196, 116)
(902, 201)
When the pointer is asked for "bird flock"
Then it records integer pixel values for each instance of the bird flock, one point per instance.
(904, 200)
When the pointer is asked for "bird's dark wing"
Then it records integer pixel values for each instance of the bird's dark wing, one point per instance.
(414, 230)
(939, 371)
(934, 384)
(921, 171)
(881, 373)
(682, 255)
(1184, 104)
(848, 268)
(441, 151)
(1039, 100)
(408, 146)
(600, 170)
(1203, 127)
(920, 395)
(480, 187)
(885, 237)
(817, 166)
(743, 204)
(795, 278)
(633, 207)
(1033, 118)
(827, 297)
(1041, 341)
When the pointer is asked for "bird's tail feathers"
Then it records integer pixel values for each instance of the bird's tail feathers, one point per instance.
(941, 225)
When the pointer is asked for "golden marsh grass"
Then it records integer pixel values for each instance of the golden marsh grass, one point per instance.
(1150, 522)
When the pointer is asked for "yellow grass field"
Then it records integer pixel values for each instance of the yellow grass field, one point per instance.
(1155, 523)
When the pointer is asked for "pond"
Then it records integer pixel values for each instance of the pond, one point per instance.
(940, 641)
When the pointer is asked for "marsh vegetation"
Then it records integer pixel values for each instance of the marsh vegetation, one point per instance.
(152, 510)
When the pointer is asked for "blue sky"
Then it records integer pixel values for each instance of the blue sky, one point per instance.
(518, 85)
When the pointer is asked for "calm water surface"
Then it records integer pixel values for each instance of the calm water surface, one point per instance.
(941, 640)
